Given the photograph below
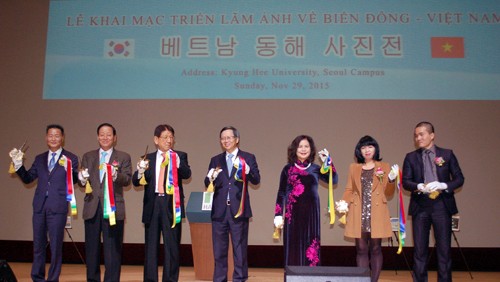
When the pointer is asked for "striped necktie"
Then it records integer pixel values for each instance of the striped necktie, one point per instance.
(52, 162)
(102, 161)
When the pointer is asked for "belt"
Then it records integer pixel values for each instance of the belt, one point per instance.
(160, 194)
(228, 202)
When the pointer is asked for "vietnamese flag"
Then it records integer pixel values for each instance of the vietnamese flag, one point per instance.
(447, 47)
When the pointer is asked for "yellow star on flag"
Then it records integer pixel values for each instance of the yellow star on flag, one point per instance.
(447, 47)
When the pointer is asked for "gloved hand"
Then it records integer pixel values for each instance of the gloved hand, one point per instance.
(422, 188)
(435, 185)
(17, 158)
(394, 172)
(213, 173)
(323, 154)
(114, 172)
(342, 206)
(178, 160)
(237, 164)
(278, 221)
(142, 165)
(83, 176)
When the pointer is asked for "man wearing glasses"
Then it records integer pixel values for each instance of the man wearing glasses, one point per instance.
(161, 173)
(230, 172)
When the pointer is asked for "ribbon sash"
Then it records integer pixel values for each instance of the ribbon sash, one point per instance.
(240, 175)
(109, 207)
(329, 167)
(172, 187)
(70, 191)
(401, 214)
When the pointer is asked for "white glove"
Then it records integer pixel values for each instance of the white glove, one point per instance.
(422, 188)
(114, 172)
(342, 206)
(323, 154)
(213, 173)
(237, 164)
(394, 172)
(278, 221)
(83, 176)
(178, 160)
(17, 158)
(435, 185)
(142, 165)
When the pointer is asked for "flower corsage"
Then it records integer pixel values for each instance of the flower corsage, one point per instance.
(439, 161)
(379, 173)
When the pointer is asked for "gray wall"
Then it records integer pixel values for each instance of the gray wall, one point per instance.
(266, 126)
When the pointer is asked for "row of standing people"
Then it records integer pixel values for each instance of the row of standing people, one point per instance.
(297, 202)
(430, 173)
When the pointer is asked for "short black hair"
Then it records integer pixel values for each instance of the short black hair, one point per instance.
(427, 125)
(367, 141)
(106, 124)
(163, 127)
(54, 126)
(292, 149)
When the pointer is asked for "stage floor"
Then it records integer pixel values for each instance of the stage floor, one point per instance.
(76, 272)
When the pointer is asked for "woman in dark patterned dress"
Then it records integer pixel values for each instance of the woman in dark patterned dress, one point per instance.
(298, 206)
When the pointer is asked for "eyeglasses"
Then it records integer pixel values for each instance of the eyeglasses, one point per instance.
(228, 138)
(168, 137)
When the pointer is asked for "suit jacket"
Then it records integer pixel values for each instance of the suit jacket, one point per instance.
(449, 172)
(380, 217)
(51, 187)
(225, 180)
(91, 160)
(183, 172)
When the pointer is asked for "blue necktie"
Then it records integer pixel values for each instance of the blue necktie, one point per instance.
(52, 162)
(101, 162)
(229, 163)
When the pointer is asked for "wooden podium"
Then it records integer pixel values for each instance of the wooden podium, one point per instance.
(200, 225)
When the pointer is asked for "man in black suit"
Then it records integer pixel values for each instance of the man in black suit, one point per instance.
(230, 173)
(50, 203)
(163, 205)
(431, 174)
(94, 172)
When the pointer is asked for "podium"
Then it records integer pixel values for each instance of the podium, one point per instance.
(200, 225)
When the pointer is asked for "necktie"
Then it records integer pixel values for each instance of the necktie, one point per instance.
(52, 162)
(102, 161)
(229, 163)
(428, 167)
(161, 178)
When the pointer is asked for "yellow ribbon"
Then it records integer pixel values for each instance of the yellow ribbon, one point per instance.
(277, 233)
(343, 219)
(210, 187)
(11, 168)
(88, 188)
(143, 181)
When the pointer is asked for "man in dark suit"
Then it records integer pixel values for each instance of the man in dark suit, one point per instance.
(431, 174)
(94, 177)
(50, 205)
(231, 209)
(163, 205)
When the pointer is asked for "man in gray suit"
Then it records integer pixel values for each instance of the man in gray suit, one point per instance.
(104, 170)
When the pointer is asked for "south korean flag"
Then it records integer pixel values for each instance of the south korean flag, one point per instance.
(119, 48)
